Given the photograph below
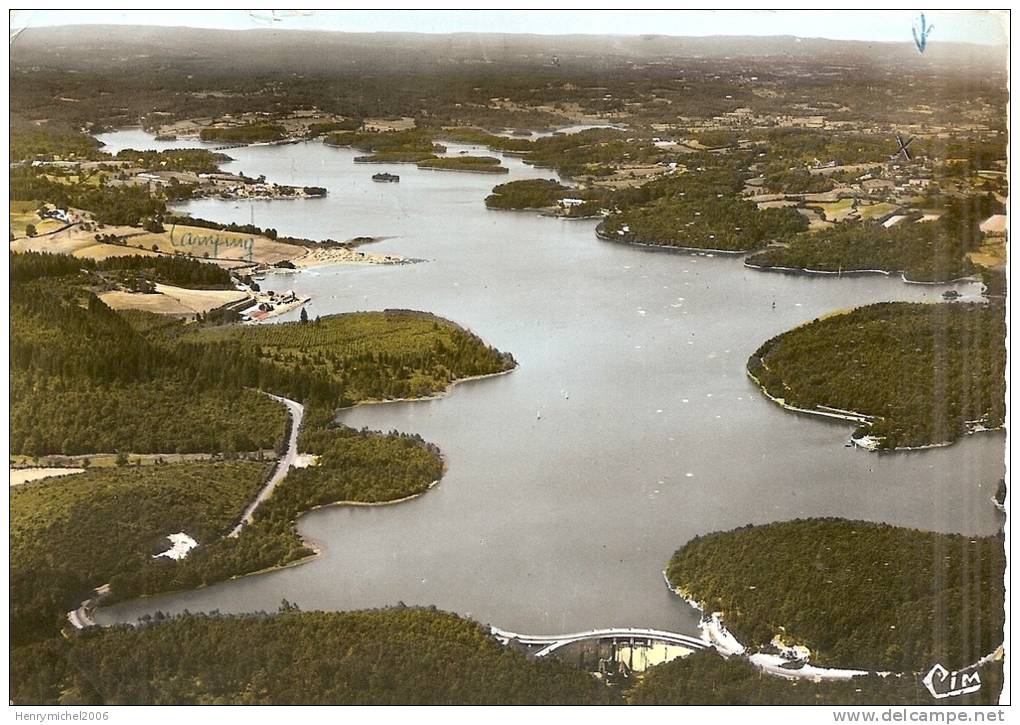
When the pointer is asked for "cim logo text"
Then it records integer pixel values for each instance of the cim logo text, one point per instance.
(943, 683)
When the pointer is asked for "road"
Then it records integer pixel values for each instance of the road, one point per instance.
(297, 412)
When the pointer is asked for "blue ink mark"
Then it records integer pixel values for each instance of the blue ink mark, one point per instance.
(921, 35)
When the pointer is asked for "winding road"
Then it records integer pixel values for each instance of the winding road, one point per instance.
(81, 618)
(297, 412)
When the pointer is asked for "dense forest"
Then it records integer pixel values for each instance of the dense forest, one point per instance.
(51, 415)
(700, 209)
(528, 194)
(479, 164)
(359, 466)
(83, 380)
(250, 133)
(388, 146)
(69, 535)
(197, 160)
(927, 373)
(60, 139)
(369, 355)
(705, 678)
(588, 153)
(797, 181)
(398, 656)
(179, 271)
(923, 251)
(798, 148)
(858, 594)
(128, 205)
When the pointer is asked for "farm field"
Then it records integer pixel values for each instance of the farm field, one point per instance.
(171, 300)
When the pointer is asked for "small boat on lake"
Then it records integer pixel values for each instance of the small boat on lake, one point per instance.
(385, 177)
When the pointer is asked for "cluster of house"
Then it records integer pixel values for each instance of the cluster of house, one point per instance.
(65, 216)
(270, 303)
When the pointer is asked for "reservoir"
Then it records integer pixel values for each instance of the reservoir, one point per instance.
(629, 427)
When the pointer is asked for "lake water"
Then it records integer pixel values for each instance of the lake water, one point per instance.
(629, 427)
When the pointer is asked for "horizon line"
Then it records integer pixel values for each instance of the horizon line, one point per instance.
(17, 30)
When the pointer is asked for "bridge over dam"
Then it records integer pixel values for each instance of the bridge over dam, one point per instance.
(613, 650)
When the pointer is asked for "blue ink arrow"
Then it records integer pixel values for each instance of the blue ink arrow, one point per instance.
(921, 36)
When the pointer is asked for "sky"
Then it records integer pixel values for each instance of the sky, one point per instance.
(974, 26)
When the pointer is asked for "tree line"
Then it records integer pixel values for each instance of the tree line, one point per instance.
(396, 656)
(72, 534)
(934, 251)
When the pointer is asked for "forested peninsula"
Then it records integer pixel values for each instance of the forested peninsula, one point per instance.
(143, 387)
(859, 595)
(913, 375)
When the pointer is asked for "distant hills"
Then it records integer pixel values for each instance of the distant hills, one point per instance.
(99, 47)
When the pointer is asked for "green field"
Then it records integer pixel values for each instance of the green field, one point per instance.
(836, 211)
(876, 211)
(23, 213)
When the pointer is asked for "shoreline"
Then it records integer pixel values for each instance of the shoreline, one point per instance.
(434, 396)
(715, 633)
(674, 248)
(505, 170)
(867, 442)
(847, 415)
(81, 618)
(276, 311)
(854, 273)
(312, 545)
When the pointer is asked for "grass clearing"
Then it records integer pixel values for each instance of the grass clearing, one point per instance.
(837, 211)
(201, 242)
(876, 211)
(170, 300)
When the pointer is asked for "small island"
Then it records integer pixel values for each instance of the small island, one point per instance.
(385, 177)
(397, 147)
(248, 133)
(476, 164)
